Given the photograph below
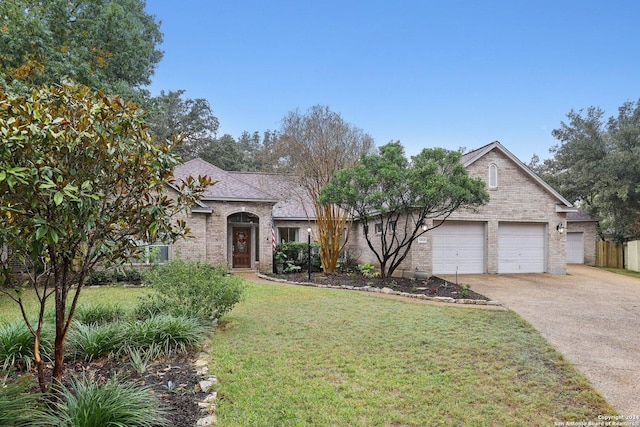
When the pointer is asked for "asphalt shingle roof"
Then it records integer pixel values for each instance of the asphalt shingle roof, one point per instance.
(283, 190)
(228, 187)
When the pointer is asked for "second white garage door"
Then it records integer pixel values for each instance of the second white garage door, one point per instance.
(459, 247)
(521, 248)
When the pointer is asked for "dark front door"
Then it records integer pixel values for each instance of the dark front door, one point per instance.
(241, 247)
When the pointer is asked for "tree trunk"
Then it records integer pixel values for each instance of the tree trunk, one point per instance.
(58, 358)
(42, 381)
(331, 221)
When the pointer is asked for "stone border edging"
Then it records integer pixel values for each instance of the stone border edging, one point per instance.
(205, 385)
(388, 291)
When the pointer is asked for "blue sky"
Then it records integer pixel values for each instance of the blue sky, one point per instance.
(449, 74)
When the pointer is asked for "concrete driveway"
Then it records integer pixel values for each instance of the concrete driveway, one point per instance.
(591, 316)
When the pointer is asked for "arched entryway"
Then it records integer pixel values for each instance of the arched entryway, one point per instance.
(243, 237)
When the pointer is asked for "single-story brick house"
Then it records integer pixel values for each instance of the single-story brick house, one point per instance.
(523, 228)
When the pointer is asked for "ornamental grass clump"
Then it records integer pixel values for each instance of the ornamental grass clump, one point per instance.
(99, 314)
(16, 346)
(88, 402)
(91, 341)
(166, 333)
(191, 288)
(16, 406)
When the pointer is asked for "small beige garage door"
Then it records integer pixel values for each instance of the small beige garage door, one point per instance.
(575, 248)
(459, 247)
(521, 248)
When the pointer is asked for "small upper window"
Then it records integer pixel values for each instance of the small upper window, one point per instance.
(493, 175)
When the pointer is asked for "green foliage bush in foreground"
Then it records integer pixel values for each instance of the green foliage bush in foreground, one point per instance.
(16, 346)
(104, 277)
(191, 288)
(86, 402)
(167, 333)
(15, 405)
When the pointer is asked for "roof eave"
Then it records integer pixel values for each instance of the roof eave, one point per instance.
(237, 199)
(565, 209)
(292, 218)
(199, 209)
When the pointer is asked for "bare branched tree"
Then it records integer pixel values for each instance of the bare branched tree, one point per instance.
(314, 146)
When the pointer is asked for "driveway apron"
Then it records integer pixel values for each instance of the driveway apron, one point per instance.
(589, 315)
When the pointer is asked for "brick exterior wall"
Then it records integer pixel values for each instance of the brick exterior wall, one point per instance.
(210, 237)
(517, 199)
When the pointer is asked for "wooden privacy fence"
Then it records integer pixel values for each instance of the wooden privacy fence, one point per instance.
(609, 254)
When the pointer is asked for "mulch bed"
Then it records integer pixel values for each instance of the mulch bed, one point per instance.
(180, 401)
(433, 286)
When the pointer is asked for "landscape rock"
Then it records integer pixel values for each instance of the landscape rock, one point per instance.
(207, 421)
(205, 385)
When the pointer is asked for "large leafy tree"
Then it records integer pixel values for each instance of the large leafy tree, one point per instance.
(402, 195)
(258, 153)
(108, 44)
(170, 115)
(224, 152)
(313, 146)
(82, 183)
(597, 165)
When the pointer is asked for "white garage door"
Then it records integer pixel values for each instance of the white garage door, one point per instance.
(575, 248)
(459, 247)
(521, 248)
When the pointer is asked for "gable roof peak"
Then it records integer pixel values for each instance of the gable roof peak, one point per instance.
(472, 156)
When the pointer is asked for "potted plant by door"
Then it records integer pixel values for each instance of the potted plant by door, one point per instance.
(421, 274)
(280, 257)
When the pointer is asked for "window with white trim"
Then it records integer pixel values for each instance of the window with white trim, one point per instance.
(493, 175)
(288, 234)
(157, 253)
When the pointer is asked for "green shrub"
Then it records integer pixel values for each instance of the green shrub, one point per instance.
(118, 275)
(90, 341)
(292, 268)
(297, 254)
(16, 346)
(152, 305)
(133, 276)
(99, 314)
(464, 290)
(194, 288)
(16, 406)
(99, 277)
(104, 277)
(87, 402)
(368, 271)
(164, 332)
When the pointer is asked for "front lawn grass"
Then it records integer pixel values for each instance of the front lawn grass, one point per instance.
(295, 356)
(124, 297)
